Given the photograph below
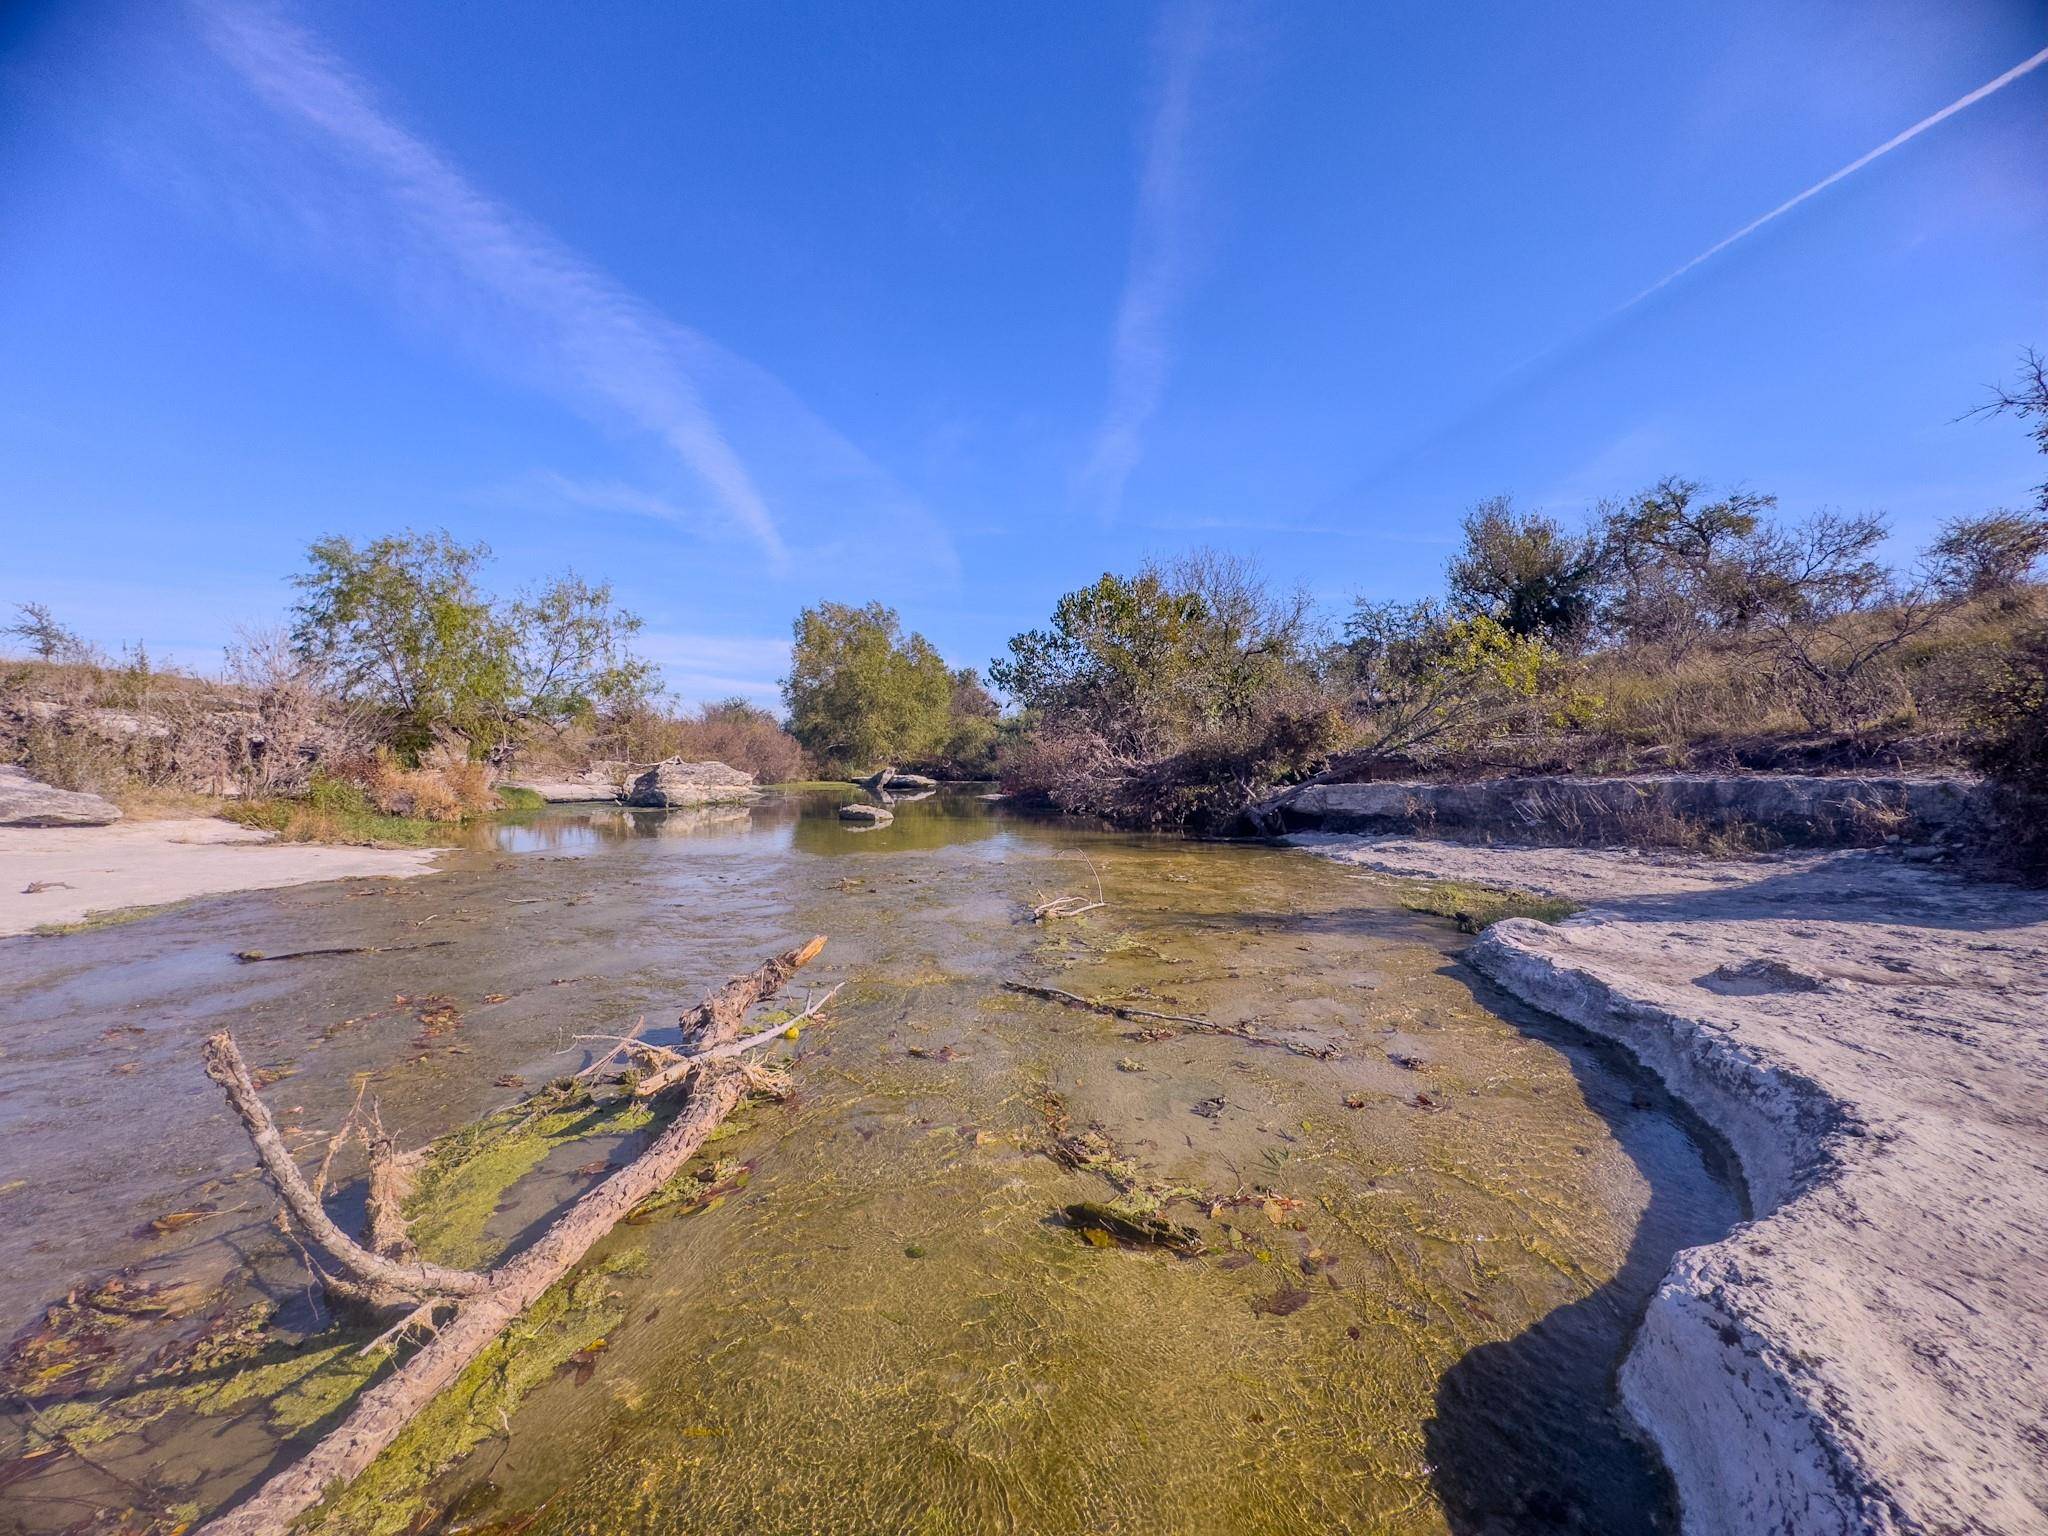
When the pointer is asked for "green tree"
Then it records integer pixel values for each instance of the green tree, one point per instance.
(573, 656)
(1427, 681)
(1149, 661)
(1527, 573)
(1977, 556)
(861, 695)
(405, 625)
(48, 639)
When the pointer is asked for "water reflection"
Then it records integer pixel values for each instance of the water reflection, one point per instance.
(804, 820)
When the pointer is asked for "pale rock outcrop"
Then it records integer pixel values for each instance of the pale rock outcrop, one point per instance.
(1870, 1353)
(27, 802)
(678, 783)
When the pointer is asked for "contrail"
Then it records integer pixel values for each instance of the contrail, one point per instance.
(2025, 67)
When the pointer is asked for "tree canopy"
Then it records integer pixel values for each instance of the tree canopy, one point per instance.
(861, 694)
(405, 625)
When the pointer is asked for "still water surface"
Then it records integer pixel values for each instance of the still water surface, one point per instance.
(1423, 1255)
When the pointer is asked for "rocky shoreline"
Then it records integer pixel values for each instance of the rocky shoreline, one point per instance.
(1866, 1354)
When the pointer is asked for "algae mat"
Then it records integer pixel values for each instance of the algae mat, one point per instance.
(1414, 1243)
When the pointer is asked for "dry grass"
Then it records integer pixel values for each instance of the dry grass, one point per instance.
(1737, 704)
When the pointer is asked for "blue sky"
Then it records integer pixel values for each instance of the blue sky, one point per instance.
(745, 306)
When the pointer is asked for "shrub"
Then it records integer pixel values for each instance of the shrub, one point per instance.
(2010, 717)
(449, 790)
(1979, 556)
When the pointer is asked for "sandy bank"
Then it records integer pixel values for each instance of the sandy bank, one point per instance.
(1871, 1353)
(147, 863)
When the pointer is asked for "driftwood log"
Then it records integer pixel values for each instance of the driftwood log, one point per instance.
(713, 1086)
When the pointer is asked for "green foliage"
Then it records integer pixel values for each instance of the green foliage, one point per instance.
(1681, 567)
(336, 811)
(2009, 716)
(862, 696)
(573, 657)
(46, 639)
(406, 627)
(1527, 574)
(514, 798)
(1151, 661)
(1426, 680)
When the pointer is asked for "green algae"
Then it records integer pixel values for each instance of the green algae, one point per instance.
(572, 1318)
(1475, 907)
(107, 917)
(467, 1173)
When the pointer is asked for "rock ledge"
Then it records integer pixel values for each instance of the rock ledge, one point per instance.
(1866, 1354)
(27, 802)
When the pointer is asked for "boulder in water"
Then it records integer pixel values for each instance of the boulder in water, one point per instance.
(675, 782)
(866, 815)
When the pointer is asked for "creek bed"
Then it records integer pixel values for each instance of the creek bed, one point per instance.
(1421, 1255)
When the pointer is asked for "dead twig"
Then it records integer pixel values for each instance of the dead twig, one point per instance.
(257, 957)
(621, 1043)
(1188, 1023)
(1071, 906)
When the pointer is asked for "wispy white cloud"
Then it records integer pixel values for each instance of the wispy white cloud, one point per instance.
(1141, 345)
(1933, 120)
(580, 331)
(704, 667)
(614, 496)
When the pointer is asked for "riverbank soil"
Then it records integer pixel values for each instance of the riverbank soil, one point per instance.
(1001, 1264)
(1871, 1354)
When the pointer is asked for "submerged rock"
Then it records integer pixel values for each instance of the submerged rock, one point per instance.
(1105, 1224)
(675, 782)
(1651, 808)
(27, 802)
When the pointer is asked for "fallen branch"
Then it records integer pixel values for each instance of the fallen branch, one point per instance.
(1188, 1023)
(772, 1032)
(1071, 906)
(715, 1087)
(718, 1019)
(412, 1278)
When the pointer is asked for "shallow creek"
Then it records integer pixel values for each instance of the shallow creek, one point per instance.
(1421, 1257)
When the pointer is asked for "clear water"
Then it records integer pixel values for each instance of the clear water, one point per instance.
(1408, 1313)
